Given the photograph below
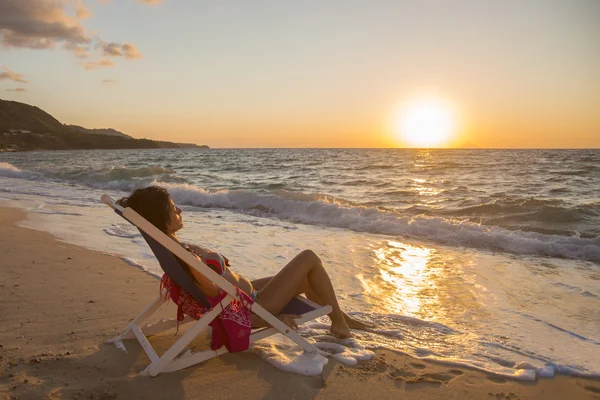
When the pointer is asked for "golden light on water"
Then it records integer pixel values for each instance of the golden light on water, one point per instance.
(422, 190)
(404, 274)
(425, 122)
(420, 281)
(409, 272)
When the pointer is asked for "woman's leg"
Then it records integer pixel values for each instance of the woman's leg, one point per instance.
(260, 283)
(312, 296)
(284, 286)
(305, 289)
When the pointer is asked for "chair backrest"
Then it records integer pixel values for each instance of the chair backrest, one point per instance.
(171, 266)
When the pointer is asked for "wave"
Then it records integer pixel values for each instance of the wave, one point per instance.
(10, 171)
(110, 174)
(328, 211)
(510, 224)
(559, 190)
(579, 172)
(529, 211)
(122, 230)
(396, 193)
(373, 167)
(112, 178)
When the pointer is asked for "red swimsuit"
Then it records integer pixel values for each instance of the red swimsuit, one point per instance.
(232, 327)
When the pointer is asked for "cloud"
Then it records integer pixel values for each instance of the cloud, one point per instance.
(127, 50)
(78, 50)
(19, 89)
(48, 24)
(108, 82)
(81, 11)
(131, 52)
(110, 49)
(97, 64)
(11, 75)
(40, 24)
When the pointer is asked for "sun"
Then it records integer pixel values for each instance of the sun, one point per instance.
(425, 123)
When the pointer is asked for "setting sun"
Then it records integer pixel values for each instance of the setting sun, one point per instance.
(425, 123)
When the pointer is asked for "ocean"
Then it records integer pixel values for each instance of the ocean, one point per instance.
(482, 258)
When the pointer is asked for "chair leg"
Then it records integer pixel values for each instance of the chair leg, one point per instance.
(156, 367)
(169, 362)
(137, 321)
(163, 325)
(282, 328)
(187, 360)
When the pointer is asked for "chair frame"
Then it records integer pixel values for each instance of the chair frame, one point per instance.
(172, 359)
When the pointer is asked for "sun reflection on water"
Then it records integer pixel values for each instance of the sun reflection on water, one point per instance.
(422, 190)
(406, 285)
(424, 282)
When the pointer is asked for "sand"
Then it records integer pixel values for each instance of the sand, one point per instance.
(59, 303)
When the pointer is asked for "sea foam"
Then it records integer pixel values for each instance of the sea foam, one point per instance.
(326, 211)
(11, 171)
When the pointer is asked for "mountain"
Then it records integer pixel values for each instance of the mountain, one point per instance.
(107, 131)
(24, 127)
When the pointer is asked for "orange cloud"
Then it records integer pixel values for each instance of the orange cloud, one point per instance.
(110, 49)
(7, 74)
(39, 24)
(97, 64)
(79, 50)
(19, 89)
(131, 52)
(46, 24)
(81, 11)
(127, 50)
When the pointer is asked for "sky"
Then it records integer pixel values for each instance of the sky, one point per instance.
(334, 73)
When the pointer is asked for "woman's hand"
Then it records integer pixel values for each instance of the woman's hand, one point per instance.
(289, 320)
(202, 252)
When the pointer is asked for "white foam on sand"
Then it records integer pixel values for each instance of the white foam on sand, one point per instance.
(135, 263)
(284, 354)
(78, 217)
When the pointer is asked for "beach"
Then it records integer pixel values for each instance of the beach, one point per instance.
(440, 170)
(61, 302)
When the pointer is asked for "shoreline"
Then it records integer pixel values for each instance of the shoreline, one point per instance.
(61, 302)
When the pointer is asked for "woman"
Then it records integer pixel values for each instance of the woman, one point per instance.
(304, 274)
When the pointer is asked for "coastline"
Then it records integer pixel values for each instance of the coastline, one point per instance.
(61, 302)
(184, 146)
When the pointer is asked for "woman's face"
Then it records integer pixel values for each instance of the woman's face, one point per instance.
(175, 222)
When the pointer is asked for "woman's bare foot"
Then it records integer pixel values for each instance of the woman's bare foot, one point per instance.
(356, 324)
(340, 330)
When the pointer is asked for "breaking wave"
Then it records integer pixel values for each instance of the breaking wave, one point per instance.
(326, 210)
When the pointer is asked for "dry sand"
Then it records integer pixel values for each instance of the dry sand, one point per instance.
(59, 303)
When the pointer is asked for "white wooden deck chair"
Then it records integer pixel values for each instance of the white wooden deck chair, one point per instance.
(171, 360)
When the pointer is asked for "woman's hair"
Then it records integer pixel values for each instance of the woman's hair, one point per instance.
(152, 203)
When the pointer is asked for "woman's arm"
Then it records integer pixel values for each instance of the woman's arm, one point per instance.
(201, 251)
(208, 255)
(207, 286)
